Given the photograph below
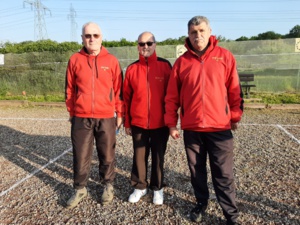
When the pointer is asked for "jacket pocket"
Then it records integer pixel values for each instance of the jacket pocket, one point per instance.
(83, 103)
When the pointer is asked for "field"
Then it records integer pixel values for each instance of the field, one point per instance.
(36, 173)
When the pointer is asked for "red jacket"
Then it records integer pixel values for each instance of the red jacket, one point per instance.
(144, 91)
(206, 89)
(93, 85)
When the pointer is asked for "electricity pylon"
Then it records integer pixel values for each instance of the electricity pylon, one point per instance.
(72, 16)
(40, 30)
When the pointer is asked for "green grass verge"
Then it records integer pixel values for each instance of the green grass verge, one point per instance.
(36, 98)
(278, 98)
(267, 98)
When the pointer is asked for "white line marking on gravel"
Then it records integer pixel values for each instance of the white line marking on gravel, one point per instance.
(34, 172)
(288, 133)
(68, 150)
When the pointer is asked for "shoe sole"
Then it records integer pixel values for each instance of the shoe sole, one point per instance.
(155, 203)
(158, 203)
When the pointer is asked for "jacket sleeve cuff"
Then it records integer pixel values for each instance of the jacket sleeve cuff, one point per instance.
(120, 115)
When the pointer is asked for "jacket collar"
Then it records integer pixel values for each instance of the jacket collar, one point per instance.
(103, 51)
(150, 59)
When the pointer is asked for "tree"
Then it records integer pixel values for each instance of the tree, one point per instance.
(294, 32)
(269, 35)
(242, 38)
(169, 41)
(221, 38)
(182, 39)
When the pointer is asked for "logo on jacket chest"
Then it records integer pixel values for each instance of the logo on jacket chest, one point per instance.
(104, 68)
(160, 79)
(217, 58)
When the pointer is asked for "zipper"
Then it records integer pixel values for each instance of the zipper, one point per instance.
(202, 90)
(148, 90)
(93, 86)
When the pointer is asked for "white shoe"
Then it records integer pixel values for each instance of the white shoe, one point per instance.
(158, 197)
(136, 195)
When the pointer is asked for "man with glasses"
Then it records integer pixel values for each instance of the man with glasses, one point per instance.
(204, 83)
(144, 90)
(93, 98)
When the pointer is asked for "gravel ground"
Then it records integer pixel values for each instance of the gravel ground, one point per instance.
(36, 173)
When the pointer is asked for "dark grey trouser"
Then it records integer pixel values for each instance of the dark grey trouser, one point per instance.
(219, 147)
(143, 141)
(84, 131)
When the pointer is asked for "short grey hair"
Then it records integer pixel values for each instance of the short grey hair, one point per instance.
(88, 23)
(196, 20)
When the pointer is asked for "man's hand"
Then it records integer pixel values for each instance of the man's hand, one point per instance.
(174, 133)
(119, 122)
(128, 131)
(234, 126)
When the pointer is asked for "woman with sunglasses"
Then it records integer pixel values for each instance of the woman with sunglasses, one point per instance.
(144, 91)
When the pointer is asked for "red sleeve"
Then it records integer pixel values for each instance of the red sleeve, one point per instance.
(70, 91)
(234, 92)
(117, 85)
(127, 93)
(172, 99)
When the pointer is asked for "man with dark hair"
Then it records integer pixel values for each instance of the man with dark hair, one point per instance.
(204, 83)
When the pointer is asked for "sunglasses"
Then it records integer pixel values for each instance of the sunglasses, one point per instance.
(89, 36)
(149, 43)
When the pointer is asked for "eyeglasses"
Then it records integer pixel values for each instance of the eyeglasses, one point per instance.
(149, 43)
(89, 36)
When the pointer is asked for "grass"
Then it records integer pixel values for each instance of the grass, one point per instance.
(278, 98)
(267, 98)
(36, 98)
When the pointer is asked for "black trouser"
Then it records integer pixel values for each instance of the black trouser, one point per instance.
(83, 133)
(219, 147)
(143, 141)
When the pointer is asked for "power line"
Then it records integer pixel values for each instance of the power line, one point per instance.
(72, 16)
(133, 12)
(40, 30)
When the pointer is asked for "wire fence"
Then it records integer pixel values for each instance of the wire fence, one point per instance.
(275, 64)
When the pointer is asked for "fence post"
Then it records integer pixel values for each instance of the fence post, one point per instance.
(298, 79)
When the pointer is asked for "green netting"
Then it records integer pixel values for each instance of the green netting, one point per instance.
(275, 64)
